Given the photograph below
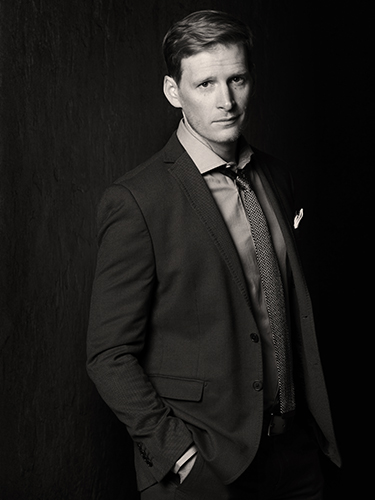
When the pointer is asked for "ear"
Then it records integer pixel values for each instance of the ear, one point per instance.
(171, 91)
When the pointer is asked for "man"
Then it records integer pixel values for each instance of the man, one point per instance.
(201, 336)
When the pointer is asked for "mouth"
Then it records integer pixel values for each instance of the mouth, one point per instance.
(227, 121)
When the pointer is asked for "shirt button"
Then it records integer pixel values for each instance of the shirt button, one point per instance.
(254, 337)
(257, 385)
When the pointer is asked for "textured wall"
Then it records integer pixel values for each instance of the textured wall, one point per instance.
(81, 88)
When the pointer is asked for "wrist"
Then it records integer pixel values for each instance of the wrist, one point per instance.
(187, 456)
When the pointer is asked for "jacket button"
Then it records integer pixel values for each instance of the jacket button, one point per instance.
(254, 337)
(257, 385)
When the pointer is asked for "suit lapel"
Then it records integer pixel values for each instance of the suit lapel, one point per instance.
(279, 202)
(196, 190)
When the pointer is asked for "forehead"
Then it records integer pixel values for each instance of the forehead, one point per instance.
(218, 60)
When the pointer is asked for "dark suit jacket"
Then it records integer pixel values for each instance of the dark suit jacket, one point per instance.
(169, 343)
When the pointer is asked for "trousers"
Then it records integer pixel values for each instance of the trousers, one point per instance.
(285, 467)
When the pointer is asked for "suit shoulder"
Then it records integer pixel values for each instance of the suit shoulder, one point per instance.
(273, 163)
(274, 167)
(141, 171)
(155, 168)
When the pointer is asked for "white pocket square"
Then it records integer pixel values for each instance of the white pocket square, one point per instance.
(298, 218)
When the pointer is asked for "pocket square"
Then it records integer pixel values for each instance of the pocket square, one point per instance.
(298, 218)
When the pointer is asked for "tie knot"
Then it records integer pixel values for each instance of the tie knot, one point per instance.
(238, 177)
(242, 182)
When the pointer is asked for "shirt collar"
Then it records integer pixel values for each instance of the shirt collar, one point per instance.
(203, 156)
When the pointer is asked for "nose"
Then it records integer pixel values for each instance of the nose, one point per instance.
(225, 98)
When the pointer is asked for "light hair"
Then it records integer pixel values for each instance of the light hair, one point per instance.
(201, 31)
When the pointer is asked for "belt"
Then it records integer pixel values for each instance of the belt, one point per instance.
(276, 425)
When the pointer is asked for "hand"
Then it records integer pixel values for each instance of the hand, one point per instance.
(184, 471)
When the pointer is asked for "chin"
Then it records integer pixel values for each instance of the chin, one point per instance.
(229, 137)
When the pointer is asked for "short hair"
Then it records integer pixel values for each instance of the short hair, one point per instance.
(201, 31)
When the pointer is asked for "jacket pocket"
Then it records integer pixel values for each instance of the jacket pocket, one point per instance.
(184, 389)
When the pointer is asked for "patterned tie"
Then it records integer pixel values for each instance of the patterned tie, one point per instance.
(273, 289)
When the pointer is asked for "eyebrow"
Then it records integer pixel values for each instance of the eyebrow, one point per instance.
(242, 74)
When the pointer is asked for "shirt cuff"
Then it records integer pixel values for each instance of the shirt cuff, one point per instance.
(193, 450)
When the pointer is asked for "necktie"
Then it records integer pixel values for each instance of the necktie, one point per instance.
(272, 287)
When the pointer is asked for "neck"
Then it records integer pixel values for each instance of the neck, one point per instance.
(228, 152)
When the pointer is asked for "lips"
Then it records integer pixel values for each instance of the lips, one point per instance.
(227, 120)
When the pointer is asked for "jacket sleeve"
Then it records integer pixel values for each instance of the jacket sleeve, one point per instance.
(120, 307)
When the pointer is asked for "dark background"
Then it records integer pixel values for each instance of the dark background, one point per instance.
(81, 89)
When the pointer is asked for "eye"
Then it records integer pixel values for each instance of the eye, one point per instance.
(238, 80)
(205, 85)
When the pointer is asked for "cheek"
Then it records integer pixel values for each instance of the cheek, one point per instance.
(243, 99)
(197, 113)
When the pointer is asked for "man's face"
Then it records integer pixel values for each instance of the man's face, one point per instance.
(214, 92)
